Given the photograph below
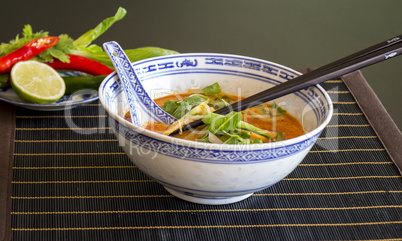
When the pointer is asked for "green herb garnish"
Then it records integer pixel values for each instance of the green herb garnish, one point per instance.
(81, 46)
(181, 107)
(229, 129)
(213, 89)
(210, 117)
(227, 123)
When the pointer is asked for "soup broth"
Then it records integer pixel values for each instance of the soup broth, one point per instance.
(267, 116)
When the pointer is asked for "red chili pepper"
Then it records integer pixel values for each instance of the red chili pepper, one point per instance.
(26, 52)
(83, 64)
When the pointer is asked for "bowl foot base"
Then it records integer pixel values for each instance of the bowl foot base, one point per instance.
(205, 199)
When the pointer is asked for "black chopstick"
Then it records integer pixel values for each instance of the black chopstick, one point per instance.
(315, 78)
(377, 53)
(360, 54)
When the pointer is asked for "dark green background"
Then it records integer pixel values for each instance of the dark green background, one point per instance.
(298, 34)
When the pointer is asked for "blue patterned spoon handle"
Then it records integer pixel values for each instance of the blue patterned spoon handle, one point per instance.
(135, 92)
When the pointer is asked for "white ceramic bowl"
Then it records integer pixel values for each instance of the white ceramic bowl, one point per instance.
(214, 173)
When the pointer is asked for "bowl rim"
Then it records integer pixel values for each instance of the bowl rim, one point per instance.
(214, 146)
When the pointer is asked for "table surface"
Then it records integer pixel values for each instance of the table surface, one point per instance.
(67, 185)
(72, 181)
(296, 34)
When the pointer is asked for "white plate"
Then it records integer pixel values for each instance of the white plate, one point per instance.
(66, 102)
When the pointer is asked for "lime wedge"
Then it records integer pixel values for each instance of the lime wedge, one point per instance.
(37, 82)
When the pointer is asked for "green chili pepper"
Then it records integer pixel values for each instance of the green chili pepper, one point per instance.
(82, 82)
(4, 80)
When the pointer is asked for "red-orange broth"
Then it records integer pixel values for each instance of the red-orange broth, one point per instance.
(288, 125)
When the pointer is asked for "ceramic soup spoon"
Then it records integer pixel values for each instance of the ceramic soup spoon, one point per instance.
(135, 92)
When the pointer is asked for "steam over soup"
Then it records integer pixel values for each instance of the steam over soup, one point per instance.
(266, 122)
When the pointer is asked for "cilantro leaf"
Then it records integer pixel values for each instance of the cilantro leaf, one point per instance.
(213, 89)
(183, 109)
(179, 108)
(170, 106)
(196, 99)
(28, 35)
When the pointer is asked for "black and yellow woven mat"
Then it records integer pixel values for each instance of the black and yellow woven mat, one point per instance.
(72, 181)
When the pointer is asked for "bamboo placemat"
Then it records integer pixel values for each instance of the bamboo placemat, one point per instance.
(72, 181)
